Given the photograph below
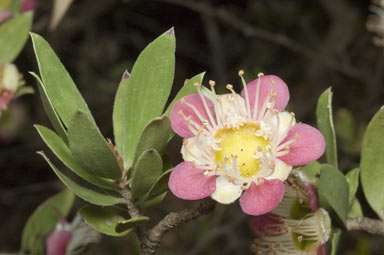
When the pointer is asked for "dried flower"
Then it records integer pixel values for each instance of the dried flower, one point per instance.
(296, 226)
(58, 240)
(240, 145)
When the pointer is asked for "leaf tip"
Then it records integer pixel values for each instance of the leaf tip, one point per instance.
(171, 32)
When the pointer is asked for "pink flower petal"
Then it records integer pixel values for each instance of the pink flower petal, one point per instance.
(5, 15)
(266, 225)
(262, 198)
(308, 147)
(322, 250)
(179, 124)
(281, 89)
(189, 183)
(5, 98)
(57, 242)
(28, 5)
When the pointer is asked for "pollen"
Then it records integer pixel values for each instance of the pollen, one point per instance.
(239, 148)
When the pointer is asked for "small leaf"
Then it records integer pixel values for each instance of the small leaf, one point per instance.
(335, 240)
(23, 90)
(90, 149)
(353, 181)
(355, 210)
(50, 110)
(88, 195)
(13, 36)
(148, 168)
(102, 219)
(187, 89)
(60, 149)
(125, 225)
(325, 125)
(372, 163)
(145, 94)
(159, 187)
(153, 202)
(334, 187)
(43, 220)
(60, 88)
(155, 136)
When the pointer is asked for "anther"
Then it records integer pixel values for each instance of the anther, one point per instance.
(300, 238)
(212, 83)
(241, 72)
(229, 86)
(182, 100)
(180, 112)
(260, 75)
(272, 81)
(185, 141)
(196, 84)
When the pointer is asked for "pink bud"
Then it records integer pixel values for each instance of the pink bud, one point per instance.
(28, 5)
(4, 16)
(57, 241)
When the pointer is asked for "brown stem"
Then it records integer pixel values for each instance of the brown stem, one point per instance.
(153, 237)
(366, 224)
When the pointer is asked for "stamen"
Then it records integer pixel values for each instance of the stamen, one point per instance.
(241, 73)
(203, 121)
(256, 105)
(198, 86)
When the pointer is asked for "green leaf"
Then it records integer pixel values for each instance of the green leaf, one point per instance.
(148, 168)
(49, 110)
(187, 89)
(90, 149)
(60, 88)
(125, 225)
(61, 150)
(325, 125)
(145, 95)
(146, 205)
(372, 163)
(355, 210)
(159, 187)
(312, 170)
(13, 36)
(43, 220)
(353, 181)
(88, 195)
(23, 90)
(155, 136)
(334, 187)
(335, 240)
(102, 219)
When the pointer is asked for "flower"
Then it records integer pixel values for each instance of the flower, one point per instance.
(25, 5)
(57, 241)
(240, 145)
(9, 81)
(297, 226)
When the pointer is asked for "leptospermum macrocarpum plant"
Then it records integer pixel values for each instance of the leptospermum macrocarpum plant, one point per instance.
(132, 169)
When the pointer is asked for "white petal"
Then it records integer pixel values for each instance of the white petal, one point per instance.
(281, 172)
(226, 192)
(192, 152)
(10, 77)
(284, 121)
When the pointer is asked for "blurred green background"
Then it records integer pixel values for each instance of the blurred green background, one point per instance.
(311, 45)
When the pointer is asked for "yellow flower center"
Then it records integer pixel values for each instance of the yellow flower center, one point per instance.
(241, 145)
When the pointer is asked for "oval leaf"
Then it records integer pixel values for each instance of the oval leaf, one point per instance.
(146, 205)
(103, 220)
(60, 88)
(60, 149)
(155, 136)
(13, 36)
(145, 94)
(148, 168)
(355, 209)
(159, 187)
(125, 225)
(325, 124)
(90, 149)
(372, 163)
(88, 195)
(334, 187)
(335, 240)
(43, 220)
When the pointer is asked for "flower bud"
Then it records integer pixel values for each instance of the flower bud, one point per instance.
(58, 240)
(9, 80)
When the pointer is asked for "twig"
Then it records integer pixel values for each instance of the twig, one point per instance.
(153, 236)
(366, 224)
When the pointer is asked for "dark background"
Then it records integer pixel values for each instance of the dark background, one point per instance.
(311, 45)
